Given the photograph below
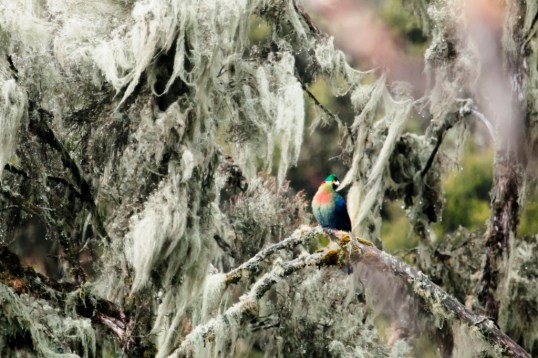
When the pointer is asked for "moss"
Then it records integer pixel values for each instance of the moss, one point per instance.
(318, 242)
(331, 257)
(343, 239)
(364, 241)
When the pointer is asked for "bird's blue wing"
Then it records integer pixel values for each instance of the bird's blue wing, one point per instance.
(341, 217)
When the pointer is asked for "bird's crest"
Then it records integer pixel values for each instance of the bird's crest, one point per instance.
(331, 178)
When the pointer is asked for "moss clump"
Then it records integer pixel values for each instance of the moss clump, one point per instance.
(331, 257)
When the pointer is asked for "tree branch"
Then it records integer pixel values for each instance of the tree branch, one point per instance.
(252, 266)
(436, 297)
(438, 130)
(438, 301)
(247, 307)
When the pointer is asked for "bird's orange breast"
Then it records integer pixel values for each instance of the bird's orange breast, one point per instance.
(322, 197)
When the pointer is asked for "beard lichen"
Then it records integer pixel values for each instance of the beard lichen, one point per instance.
(146, 164)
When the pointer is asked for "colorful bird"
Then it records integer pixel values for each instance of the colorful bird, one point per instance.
(329, 207)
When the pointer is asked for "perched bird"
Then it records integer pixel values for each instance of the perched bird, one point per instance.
(329, 207)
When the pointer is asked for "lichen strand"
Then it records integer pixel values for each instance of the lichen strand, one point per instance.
(519, 301)
(33, 326)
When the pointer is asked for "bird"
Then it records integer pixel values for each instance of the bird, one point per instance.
(329, 207)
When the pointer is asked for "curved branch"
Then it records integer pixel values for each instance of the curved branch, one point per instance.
(435, 298)
(252, 266)
(247, 307)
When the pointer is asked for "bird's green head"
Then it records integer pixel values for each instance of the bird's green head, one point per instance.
(333, 180)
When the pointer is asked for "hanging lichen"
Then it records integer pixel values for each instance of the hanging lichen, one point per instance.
(153, 138)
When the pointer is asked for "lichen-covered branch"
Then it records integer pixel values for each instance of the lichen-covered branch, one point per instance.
(439, 302)
(252, 266)
(64, 295)
(441, 305)
(247, 307)
(437, 131)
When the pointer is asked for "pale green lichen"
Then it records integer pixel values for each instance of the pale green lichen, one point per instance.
(43, 329)
(12, 110)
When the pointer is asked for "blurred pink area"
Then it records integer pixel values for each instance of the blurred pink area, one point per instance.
(496, 87)
(360, 32)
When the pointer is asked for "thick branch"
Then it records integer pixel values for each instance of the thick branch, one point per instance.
(439, 302)
(435, 297)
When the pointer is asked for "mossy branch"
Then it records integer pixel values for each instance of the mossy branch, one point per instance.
(252, 266)
(437, 300)
(441, 304)
(247, 307)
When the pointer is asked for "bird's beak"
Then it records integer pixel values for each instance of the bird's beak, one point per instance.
(336, 182)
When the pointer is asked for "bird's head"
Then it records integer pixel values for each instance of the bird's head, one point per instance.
(331, 182)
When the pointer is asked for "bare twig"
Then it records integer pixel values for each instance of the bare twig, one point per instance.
(326, 110)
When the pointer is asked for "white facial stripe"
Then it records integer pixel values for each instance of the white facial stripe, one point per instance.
(336, 182)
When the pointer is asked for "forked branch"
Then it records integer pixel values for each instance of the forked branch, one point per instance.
(446, 306)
